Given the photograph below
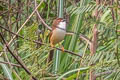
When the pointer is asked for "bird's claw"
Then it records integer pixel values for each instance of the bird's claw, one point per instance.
(63, 49)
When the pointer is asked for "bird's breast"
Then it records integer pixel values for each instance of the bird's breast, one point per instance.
(58, 35)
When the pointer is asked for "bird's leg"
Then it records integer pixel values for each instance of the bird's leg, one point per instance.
(63, 49)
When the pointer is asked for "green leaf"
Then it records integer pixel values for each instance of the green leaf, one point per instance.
(6, 70)
(72, 71)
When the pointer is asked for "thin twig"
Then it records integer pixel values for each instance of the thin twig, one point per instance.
(70, 52)
(10, 63)
(104, 73)
(9, 21)
(43, 22)
(93, 45)
(112, 11)
(80, 36)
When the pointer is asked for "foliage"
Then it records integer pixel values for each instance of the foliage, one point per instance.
(105, 62)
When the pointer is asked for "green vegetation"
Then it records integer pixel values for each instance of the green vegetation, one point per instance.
(92, 46)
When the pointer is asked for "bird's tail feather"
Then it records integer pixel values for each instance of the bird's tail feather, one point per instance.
(50, 56)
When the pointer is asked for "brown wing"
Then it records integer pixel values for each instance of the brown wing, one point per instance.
(50, 35)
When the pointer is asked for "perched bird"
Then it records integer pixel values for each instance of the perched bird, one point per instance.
(57, 34)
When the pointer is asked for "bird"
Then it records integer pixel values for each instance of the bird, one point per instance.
(57, 34)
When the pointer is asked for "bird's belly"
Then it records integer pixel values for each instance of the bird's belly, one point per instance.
(58, 35)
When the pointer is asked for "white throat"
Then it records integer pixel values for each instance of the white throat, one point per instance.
(62, 25)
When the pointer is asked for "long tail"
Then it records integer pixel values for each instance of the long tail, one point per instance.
(50, 56)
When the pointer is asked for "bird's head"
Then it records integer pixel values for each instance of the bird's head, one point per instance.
(59, 22)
